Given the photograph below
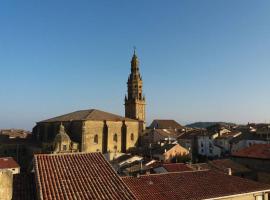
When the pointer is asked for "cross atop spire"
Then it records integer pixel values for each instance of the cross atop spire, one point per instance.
(134, 50)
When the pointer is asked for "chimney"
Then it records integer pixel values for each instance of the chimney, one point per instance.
(230, 171)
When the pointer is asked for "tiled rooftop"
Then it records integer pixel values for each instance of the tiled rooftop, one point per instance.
(7, 163)
(259, 151)
(165, 124)
(224, 164)
(190, 185)
(176, 167)
(78, 176)
(91, 114)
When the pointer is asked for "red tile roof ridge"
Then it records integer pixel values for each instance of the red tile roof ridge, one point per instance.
(8, 162)
(255, 151)
(164, 173)
(68, 153)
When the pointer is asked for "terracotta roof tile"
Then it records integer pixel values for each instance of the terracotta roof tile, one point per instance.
(176, 167)
(78, 176)
(260, 151)
(165, 124)
(7, 163)
(91, 114)
(190, 185)
(224, 164)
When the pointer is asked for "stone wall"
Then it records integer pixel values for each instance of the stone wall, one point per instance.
(94, 135)
(114, 136)
(132, 128)
(251, 196)
(92, 129)
(6, 184)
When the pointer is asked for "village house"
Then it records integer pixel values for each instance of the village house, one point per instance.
(257, 158)
(8, 163)
(224, 141)
(246, 139)
(206, 145)
(161, 129)
(168, 152)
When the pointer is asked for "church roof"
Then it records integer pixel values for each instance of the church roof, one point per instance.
(92, 114)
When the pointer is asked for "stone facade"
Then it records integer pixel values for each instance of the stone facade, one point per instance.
(135, 100)
(6, 182)
(103, 132)
(98, 131)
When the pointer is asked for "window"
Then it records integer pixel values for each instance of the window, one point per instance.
(259, 197)
(96, 139)
(115, 137)
(201, 144)
(64, 147)
(132, 137)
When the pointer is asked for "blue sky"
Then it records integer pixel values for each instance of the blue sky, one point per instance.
(200, 60)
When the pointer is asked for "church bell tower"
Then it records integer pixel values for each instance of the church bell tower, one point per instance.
(135, 100)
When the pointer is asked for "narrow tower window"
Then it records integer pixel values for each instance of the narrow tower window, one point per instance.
(132, 137)
(115, 137)
(96, 139)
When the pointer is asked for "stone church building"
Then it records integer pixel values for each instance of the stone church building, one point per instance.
(94, 130)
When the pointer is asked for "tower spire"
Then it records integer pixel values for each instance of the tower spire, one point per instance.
(134, 50)
(135, 101)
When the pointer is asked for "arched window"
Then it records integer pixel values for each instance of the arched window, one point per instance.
(132, 137)
(115, 137)
(96, 139)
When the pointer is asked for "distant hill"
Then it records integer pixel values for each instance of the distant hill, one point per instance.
(207, 124)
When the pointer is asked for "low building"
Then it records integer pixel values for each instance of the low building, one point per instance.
(156, 135)
(166, 124)
(8, 163)
(224, 141)
(231, 167)
(206, 145)
(196, 185)
(257, 158)
(160, 130)
(246, 139)
(167, 152)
